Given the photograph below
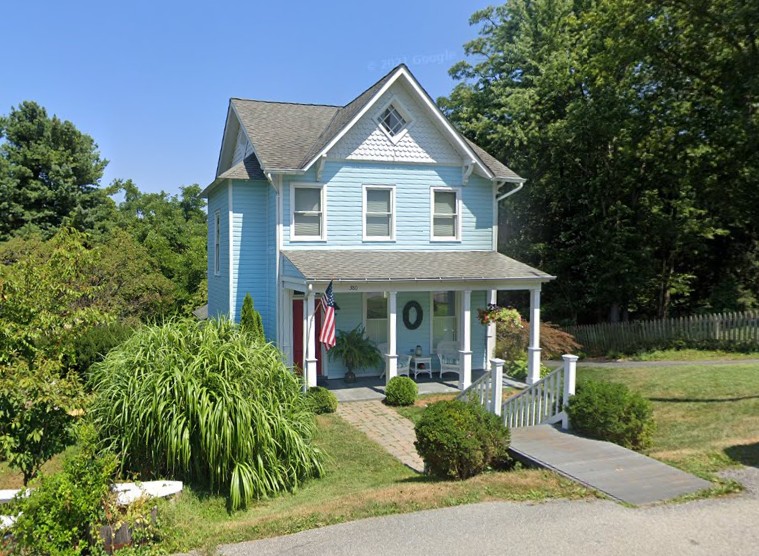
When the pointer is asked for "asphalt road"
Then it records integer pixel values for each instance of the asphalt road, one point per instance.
(728, 525)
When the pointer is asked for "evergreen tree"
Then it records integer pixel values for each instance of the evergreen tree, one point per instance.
(250, 319)
(49, 174)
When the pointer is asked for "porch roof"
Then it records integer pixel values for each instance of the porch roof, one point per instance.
(323, 265)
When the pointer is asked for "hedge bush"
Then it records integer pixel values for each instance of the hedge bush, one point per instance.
(204, 404)
(457, 440)
(401, 390)
(65, 511)
(321, 400)
(610, 411)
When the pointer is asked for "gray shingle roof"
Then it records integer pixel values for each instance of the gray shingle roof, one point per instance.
(282, 133)
(499, 170)
(248, 169)
(365, 265)
(288, 136)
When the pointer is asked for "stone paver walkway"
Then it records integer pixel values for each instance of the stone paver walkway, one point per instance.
(385, 427)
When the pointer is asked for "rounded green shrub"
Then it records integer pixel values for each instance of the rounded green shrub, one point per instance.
(611, 411)
(202, 403)
(321, 400)
(457, 440)
(401, 390)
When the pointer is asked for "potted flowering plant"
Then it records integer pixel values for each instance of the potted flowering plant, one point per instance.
(507, 316)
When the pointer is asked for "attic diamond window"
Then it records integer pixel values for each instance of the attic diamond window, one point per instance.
(392, 121)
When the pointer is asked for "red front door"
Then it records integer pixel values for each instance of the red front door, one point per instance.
(298, 336)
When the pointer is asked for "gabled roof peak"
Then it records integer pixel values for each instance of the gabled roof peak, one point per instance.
(291, 136)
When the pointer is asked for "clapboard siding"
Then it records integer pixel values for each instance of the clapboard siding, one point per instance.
(218, 284)
(344, 181)
(250, 264)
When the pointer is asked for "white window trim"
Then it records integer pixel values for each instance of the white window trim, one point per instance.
(391, 237)
(323, 188)
(459, 215)
(402, 111)
(217, 243)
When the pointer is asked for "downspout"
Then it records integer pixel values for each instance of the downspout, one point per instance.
(275, 180)
(501, 197)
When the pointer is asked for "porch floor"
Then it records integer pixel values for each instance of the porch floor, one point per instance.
(373, 388)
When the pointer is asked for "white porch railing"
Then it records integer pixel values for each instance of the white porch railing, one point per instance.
(541, 403)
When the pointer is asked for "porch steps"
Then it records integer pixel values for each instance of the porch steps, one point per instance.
(620, 473)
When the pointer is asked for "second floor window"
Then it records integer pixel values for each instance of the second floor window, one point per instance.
(308, 213)
(378, 213)
(446, 224)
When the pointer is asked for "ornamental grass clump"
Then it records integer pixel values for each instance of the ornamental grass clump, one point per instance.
(204, 404)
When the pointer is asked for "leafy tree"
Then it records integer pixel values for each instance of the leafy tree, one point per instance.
(47, 295)
(35, 423)
(635, 132)
(172, 228)
(49, 173)
(250, 319)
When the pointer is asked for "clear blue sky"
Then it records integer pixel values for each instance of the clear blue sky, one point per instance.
(150, 80)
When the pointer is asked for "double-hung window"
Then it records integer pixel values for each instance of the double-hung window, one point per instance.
(379, 213)
(217, 243)
(309, 213)
(446, 217)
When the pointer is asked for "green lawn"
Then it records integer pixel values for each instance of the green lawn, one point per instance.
(692, 355)
(707, 417)
(362, 480)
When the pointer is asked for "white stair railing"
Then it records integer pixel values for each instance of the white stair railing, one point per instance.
(541, 403)
(488, 389)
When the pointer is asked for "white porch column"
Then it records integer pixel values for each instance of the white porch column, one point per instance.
(496, 402)
(491, 332)
(533, 351)
(391, 357)
(310, 314)
(570, 372)
(286, 323)
(465, 351)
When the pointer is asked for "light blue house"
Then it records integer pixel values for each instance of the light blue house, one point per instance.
(382, 196)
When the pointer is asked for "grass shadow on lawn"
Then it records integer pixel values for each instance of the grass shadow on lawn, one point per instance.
(704, 400)
(745, 454)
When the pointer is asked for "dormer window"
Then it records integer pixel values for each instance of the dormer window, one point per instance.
(394, 121)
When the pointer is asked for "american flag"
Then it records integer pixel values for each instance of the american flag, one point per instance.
(327, 335)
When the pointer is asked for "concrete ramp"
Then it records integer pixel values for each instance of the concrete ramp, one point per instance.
(622, 474)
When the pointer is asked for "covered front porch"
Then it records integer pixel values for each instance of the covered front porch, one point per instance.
(420, 308)
(373, 387)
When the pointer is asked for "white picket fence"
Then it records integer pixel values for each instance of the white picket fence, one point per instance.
(542, 403)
